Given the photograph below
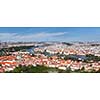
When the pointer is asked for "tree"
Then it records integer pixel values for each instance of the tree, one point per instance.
(68, 70)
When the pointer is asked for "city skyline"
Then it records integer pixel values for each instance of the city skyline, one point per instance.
(62, 34)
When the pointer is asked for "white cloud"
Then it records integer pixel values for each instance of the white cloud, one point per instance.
(29, 37)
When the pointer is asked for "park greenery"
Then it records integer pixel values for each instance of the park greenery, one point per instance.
(35, 69)
(45, 69)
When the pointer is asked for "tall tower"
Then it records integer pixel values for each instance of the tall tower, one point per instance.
(0, 44)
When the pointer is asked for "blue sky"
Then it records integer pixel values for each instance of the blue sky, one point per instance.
(66, 34)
